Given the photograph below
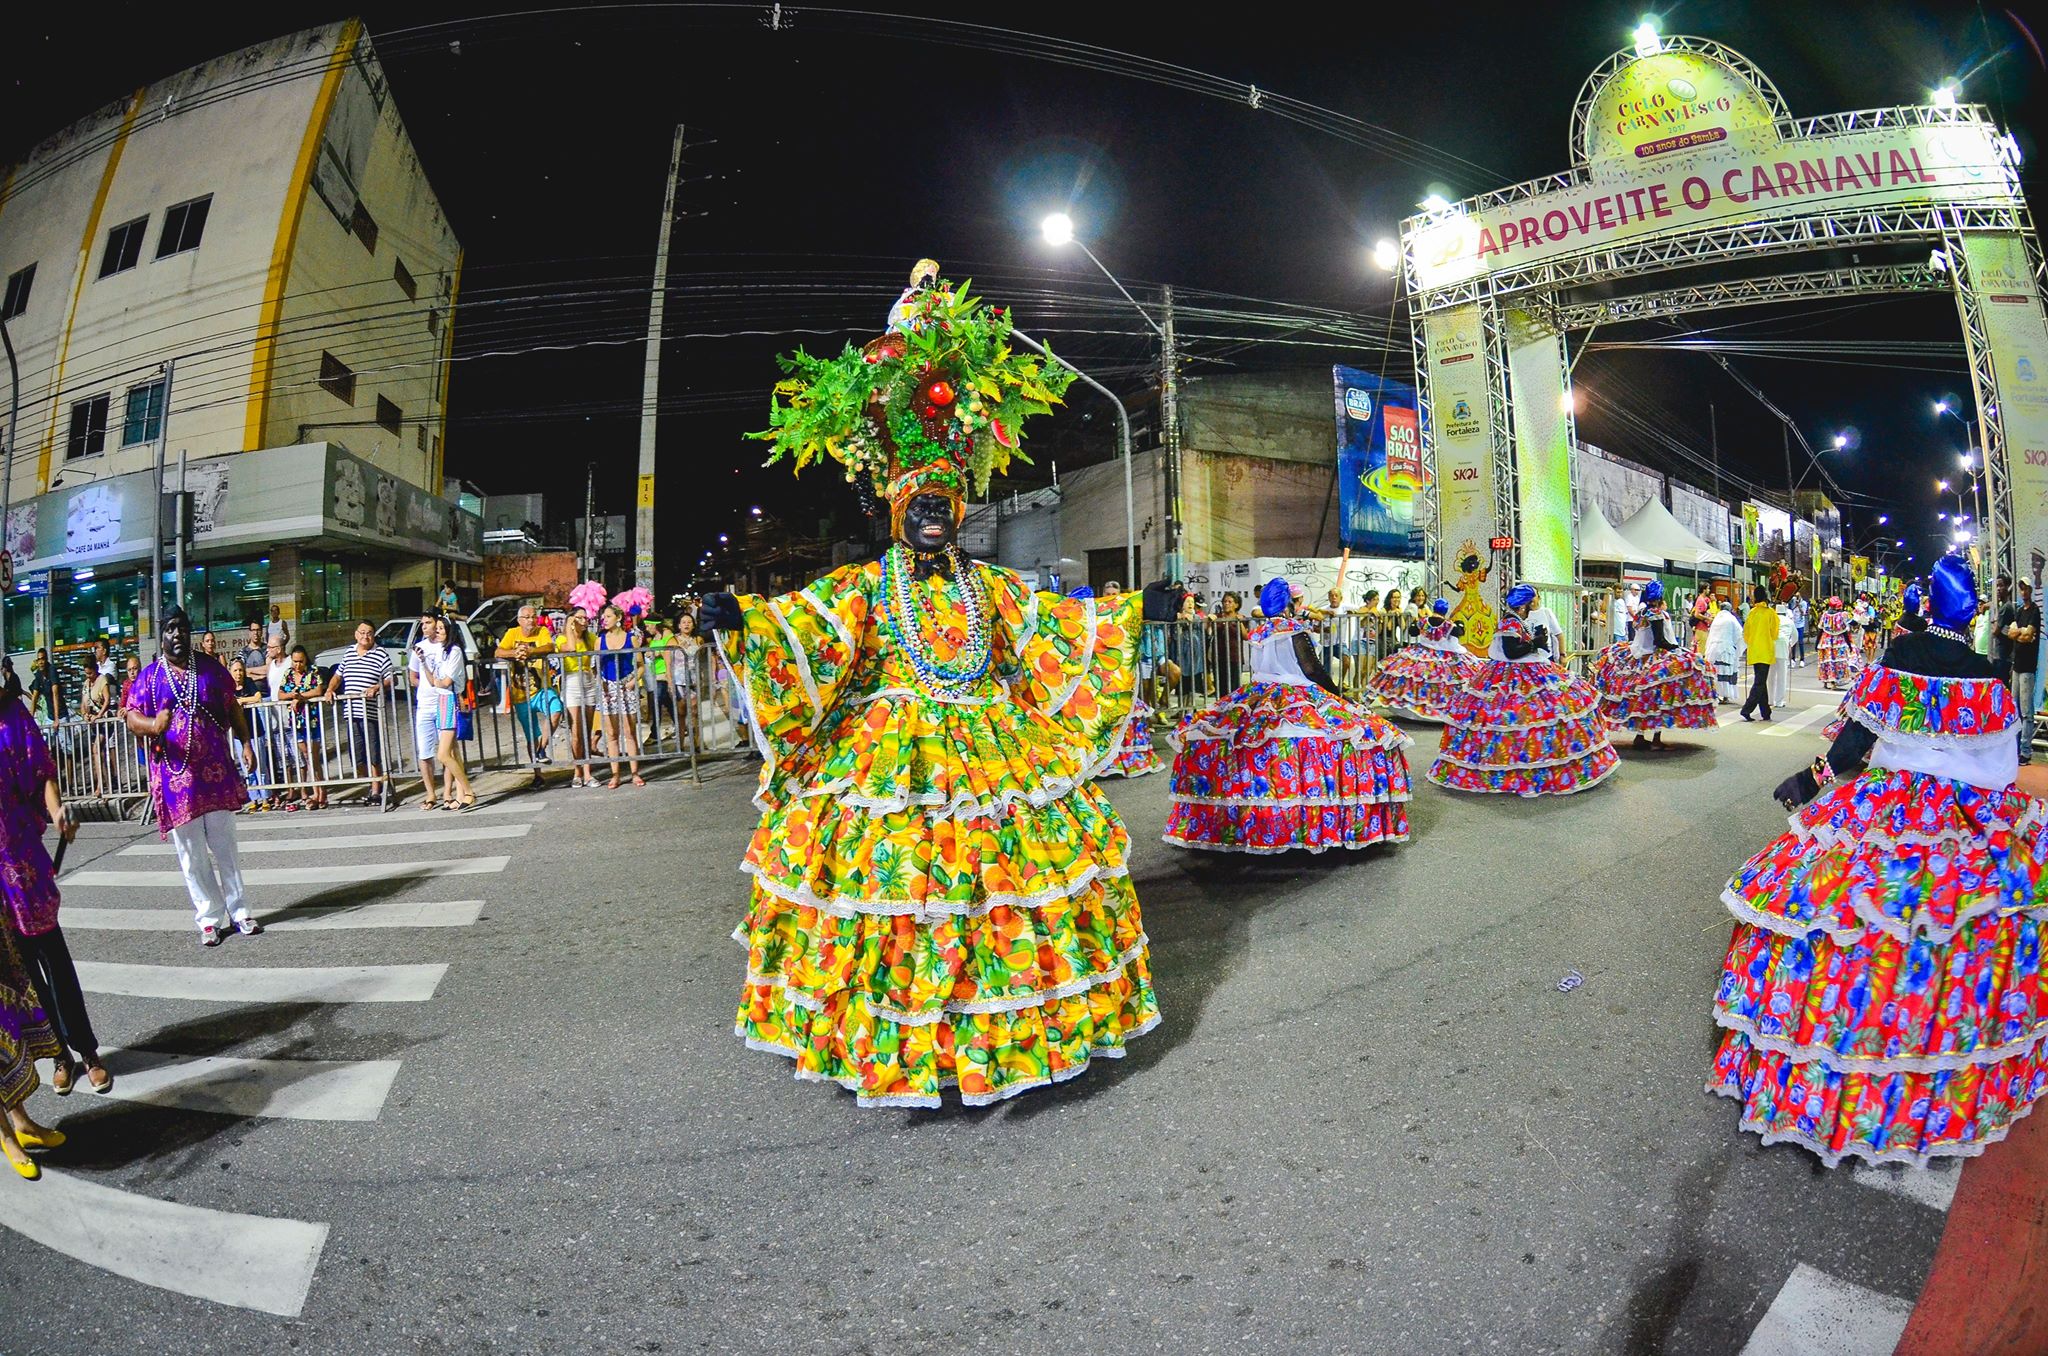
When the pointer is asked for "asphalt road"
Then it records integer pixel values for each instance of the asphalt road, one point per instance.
(1369, 1121)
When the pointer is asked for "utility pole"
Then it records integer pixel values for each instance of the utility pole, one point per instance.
(589, 518)
(7, 474)
(650, 393)
(1169, 415)
(156, 542)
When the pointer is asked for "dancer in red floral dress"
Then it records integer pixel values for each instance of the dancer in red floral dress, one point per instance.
(1882, 995)
(1421, 678)
(1285, 761)
(1650, 682)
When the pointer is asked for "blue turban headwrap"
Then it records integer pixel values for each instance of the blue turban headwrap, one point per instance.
(1274, 598)
(1083, 592)
(1653, 592)
(1955, 593)
(1441, 607)
(1911, 605)
(1521, 595)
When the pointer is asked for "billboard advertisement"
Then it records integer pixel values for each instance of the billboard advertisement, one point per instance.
(1379, 462)
(1462, 440)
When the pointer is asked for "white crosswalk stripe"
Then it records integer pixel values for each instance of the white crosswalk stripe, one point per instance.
(338, 842)
(456, 913)
(1816, 1314)
(265, 984)
(253, 1261)
(1784, 727)
(293, 1089)
(405, 817)
(1931, 1186)
(249, 1261)
(362, 873)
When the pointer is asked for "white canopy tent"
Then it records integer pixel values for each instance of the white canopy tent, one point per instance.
(1599, 542)
(1652, 529)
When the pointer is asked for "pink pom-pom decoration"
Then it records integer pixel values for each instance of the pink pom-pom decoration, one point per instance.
(634, 602)
(588, 596)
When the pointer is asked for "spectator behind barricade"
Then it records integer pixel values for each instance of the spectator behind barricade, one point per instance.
(535, 704)
(207, 644)
(618, 699)
(277, 630)
(255, 652)
(248, 693)
(422, 662)
(578, 686)
(301, 686)
(445, 600)
(450, 696)
(361, 679)
(688, 659)
(661, 640)
(46, 689)
(1230, 642)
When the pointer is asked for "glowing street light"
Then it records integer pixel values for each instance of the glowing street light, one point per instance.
(756, 511)
(1841, 441)
(1435, 202)
(1969, 462)
(1647, 44)
(1941, 485)
(1941, 407)
(1945, 97)
(1386, 255)
(1057, 228)
(1883, 518)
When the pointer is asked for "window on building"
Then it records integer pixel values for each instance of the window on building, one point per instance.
(434, 321)
(402, 275)
(365, 228)
(88, 427)
(419, 431)
(18, 284)
(336, 379)
(323, 591)
(124, 247)
(183, 225)
(389, 415)
(143, 421)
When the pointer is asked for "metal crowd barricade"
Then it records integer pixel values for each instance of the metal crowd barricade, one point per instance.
(1186, 665)
(658, 699)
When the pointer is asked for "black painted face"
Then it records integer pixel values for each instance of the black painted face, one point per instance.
(928, 523)
(177, 639)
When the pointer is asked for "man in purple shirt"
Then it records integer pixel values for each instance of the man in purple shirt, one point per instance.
(183, 707)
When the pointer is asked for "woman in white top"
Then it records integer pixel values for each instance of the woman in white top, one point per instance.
(450, 676)
(422, 662)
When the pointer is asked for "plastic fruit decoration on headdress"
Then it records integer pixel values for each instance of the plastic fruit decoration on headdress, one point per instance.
(588, 597)
(937, 404)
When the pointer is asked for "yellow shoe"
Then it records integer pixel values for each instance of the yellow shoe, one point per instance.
(27, 1167)
(47, 1139)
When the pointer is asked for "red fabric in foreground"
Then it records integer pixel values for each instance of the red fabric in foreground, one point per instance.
(1983, 1295)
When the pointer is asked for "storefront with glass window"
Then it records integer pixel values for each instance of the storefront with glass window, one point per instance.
(321, 535)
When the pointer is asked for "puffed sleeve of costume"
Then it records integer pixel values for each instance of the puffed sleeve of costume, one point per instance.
(1074, 659)
(29, 763)
(792, 655)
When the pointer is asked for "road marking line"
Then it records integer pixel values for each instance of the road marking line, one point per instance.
(275, 822)
(267, 984)
(250, 1261)
(1816, 1314)
(303, 875)
(336, 842)
(286, 1089)
(1786, 728)
(459, 913)
(1929, 1186)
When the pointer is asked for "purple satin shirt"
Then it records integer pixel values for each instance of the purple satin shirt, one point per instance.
(28, 886)
(195, 773)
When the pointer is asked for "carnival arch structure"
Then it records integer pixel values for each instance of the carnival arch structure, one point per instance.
(1694, 188)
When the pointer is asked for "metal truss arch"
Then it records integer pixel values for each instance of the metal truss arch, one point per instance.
(1582, 107)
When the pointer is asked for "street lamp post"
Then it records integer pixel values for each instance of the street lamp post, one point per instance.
(1058, 229)
(1978, 490)
(1123, 433)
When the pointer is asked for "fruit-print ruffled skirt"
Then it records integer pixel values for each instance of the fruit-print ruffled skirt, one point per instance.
(1137, 757)
(1420, 681)
(1524, 729)
(1665, 690)
(1276, 767)
(1882, 995)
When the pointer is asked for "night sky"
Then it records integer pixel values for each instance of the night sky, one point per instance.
(833, 153)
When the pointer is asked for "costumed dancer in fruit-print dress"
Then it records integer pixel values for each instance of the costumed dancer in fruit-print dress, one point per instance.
(1422, 677)
(941, 897)
(1136, 757)
(1651, 683)
(1524, 725)
(1882, 994)
(1285, 762)
(1912, 619)
(1835, 648)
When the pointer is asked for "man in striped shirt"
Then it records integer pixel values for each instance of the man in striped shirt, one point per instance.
(360, 680)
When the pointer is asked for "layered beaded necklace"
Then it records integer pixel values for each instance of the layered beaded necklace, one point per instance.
(185, 701)
(910, 621)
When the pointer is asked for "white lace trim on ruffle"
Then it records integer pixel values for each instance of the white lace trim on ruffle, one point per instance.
(1297, 802)
(811, 1002)
(1444, 756)
(1259, 850)
(1588, 716)
(1198, 732)
(1837, 1062)
(1905, 933)
(1586, 785)
(1833, 1158)
(916, 1101)
(845, 906)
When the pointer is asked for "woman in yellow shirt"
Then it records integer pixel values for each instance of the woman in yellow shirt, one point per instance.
(579, 690)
